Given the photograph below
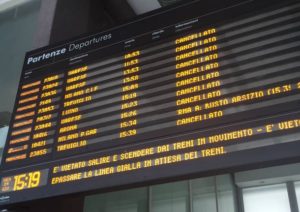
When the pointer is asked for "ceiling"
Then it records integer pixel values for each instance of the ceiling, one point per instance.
(99, 15)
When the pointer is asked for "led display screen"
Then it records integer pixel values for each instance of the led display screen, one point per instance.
(190, 92)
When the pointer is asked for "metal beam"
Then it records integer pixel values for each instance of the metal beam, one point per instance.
(292, 196)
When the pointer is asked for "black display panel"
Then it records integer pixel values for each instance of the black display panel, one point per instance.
(197, 90)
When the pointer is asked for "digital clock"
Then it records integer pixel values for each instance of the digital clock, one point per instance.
(24, 181)
(29, 180)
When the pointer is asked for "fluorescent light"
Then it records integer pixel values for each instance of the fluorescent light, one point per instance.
(143, 6)
(8, 4)
(4, 1)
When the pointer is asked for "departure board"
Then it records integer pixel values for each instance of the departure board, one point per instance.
(193, 91)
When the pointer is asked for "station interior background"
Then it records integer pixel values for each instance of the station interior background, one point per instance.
(29, 24)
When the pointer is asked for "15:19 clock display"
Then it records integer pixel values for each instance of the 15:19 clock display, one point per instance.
(24, 181)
